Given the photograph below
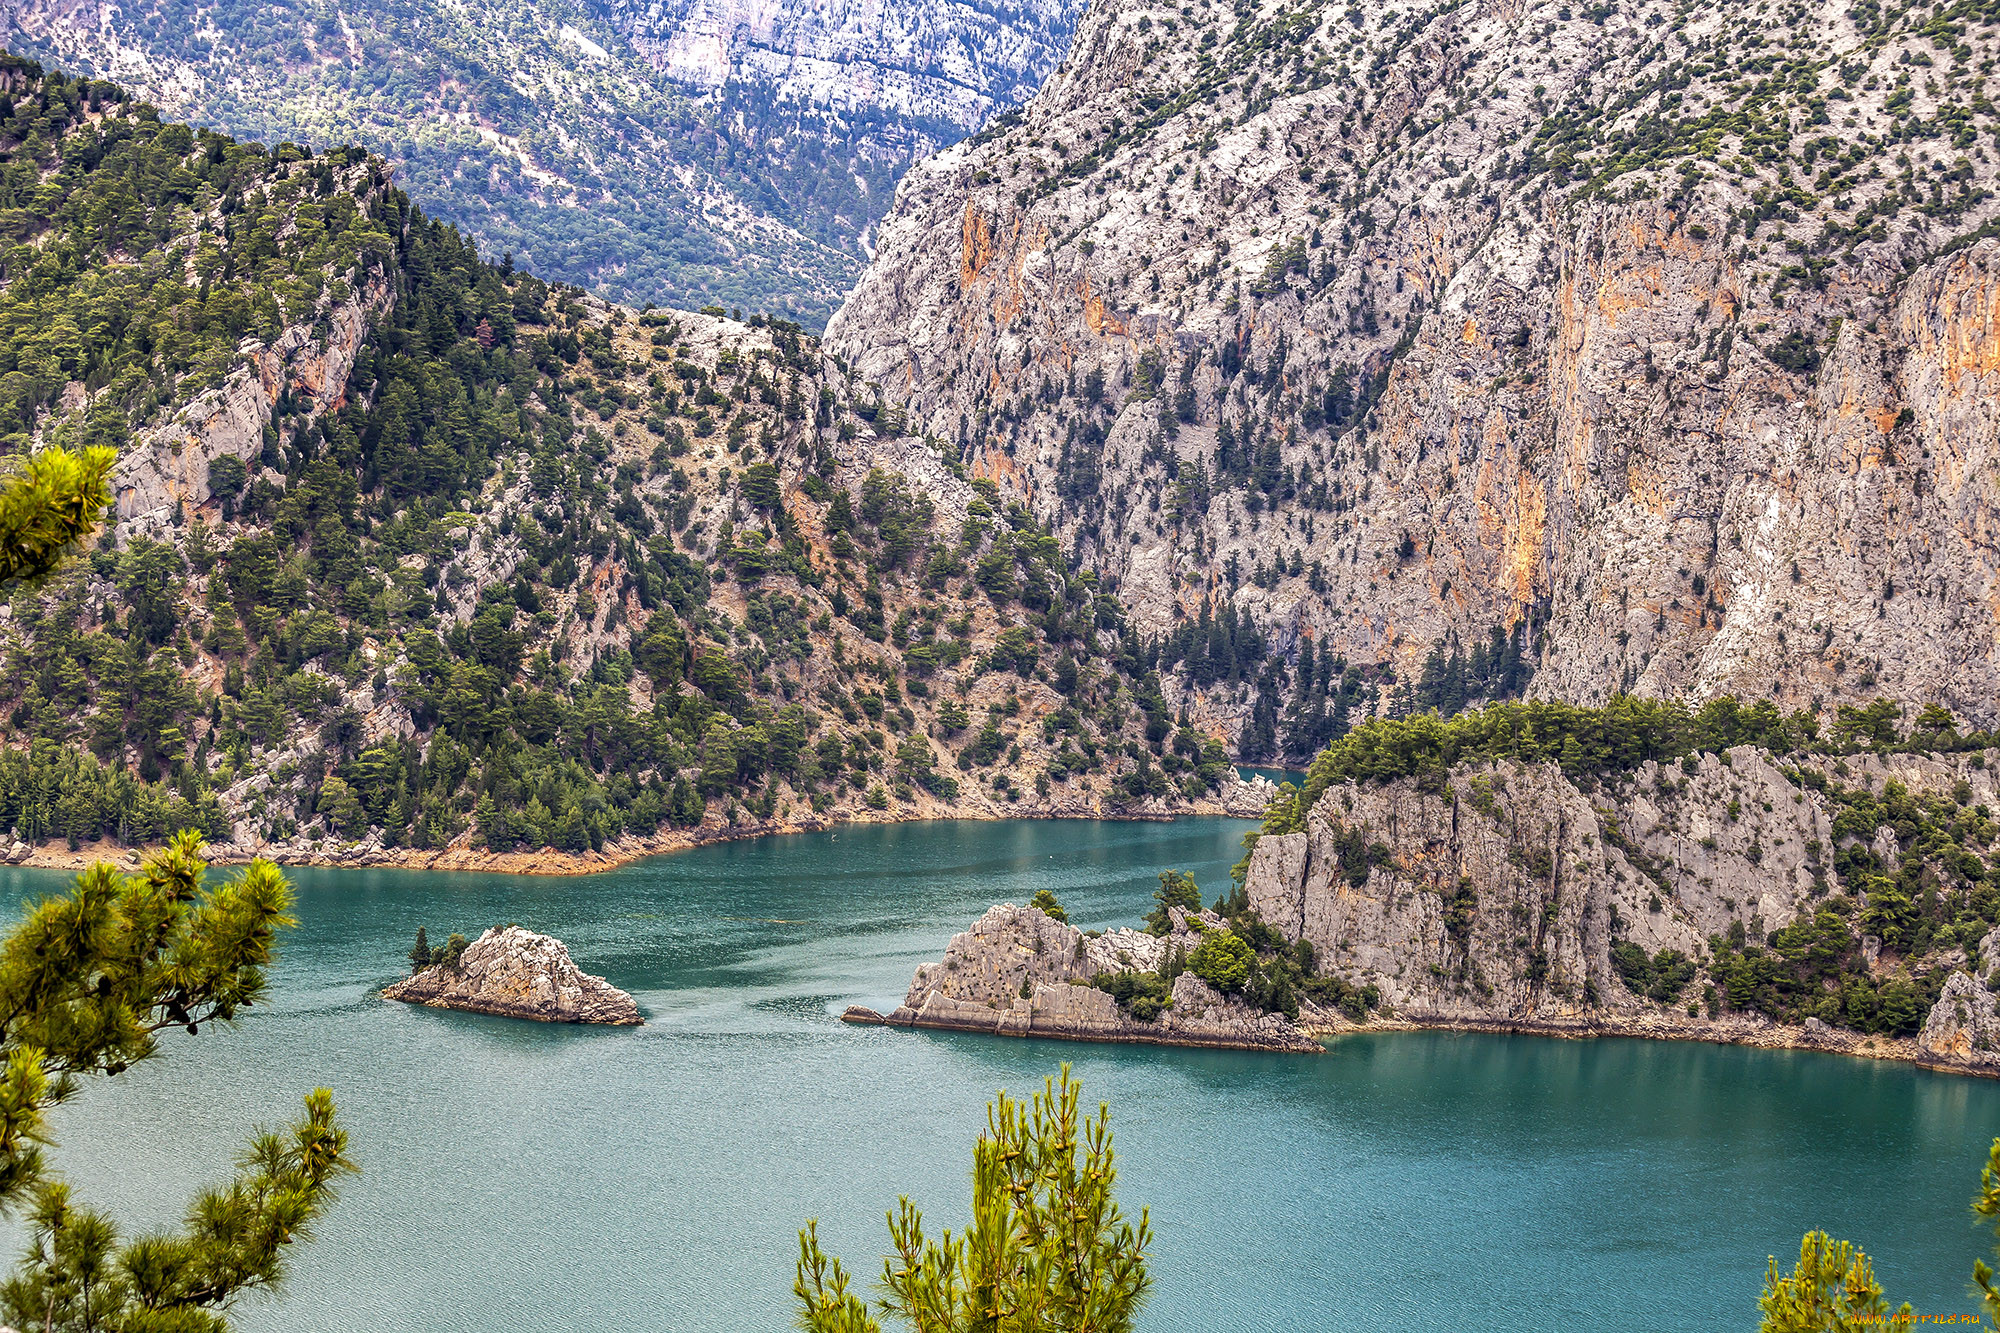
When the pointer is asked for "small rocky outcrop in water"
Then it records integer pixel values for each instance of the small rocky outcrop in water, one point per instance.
(1019, 972)
(518, 974)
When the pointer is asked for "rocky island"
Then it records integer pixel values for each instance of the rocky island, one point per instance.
(516, 973)
(1025, 972)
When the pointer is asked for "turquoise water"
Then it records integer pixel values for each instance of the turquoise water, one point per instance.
(520, 1176)
(1295, 776)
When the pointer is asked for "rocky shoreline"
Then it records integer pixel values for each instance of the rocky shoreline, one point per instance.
(1318, 1027)
(1019, 972)
(1812, 1036)
(1239, 800)
(1000, 945)
(514, 973)
(1508, 899)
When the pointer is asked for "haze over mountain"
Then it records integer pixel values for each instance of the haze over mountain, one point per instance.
(683, 154)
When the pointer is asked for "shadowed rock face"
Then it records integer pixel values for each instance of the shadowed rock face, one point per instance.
(516, 973)
(1021, 973)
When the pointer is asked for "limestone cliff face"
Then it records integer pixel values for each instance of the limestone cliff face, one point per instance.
(1019, 972)
(944, 63)
(1540, 871)
(1496, 899)
(1485, 314)
(162, 476)
(516, 973)
(1964, 1024)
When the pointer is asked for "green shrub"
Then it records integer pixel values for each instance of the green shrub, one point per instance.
(1144, 995)
(1223, 960)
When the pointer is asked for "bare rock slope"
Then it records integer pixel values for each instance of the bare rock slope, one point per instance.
(1671, 335)
(516, 973)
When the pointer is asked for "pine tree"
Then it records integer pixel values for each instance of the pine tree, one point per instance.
(420, 952)
(1987, 1205)
(50, 505)
(1047, 1248)
(1177, 889)
(1832, 1290)
(88, 978)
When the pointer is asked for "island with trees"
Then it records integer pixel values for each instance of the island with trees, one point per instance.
(512, 973)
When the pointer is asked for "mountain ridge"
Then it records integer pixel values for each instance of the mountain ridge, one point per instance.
(699, 154)
(1657, 335)
(415, 554)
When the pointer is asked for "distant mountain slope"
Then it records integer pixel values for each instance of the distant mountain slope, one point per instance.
(942, 63)
(415, 553)
(1661, 340)
(690, 154)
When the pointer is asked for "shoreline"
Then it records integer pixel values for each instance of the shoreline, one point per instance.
(1326, 1027)
(862, 1016)
(54, 854)
(1741, 1031)
(1318, 1025)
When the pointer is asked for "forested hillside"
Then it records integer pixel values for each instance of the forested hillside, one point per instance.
(687, 154)
(415, 551)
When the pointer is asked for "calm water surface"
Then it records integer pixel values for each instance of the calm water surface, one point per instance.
(1295, 776)
(520, 1176)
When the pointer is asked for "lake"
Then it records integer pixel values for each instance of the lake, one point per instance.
(523, 1176)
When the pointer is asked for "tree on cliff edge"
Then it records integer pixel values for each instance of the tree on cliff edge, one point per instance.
(48, 505)
(87, 980)
(1047, 1251)
(1177, 889)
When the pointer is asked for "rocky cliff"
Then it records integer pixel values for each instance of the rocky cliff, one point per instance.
(928, 65)
(516, 973)
(1731, 897)
(163, 477)
(1669, 335)
(1019, 972)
